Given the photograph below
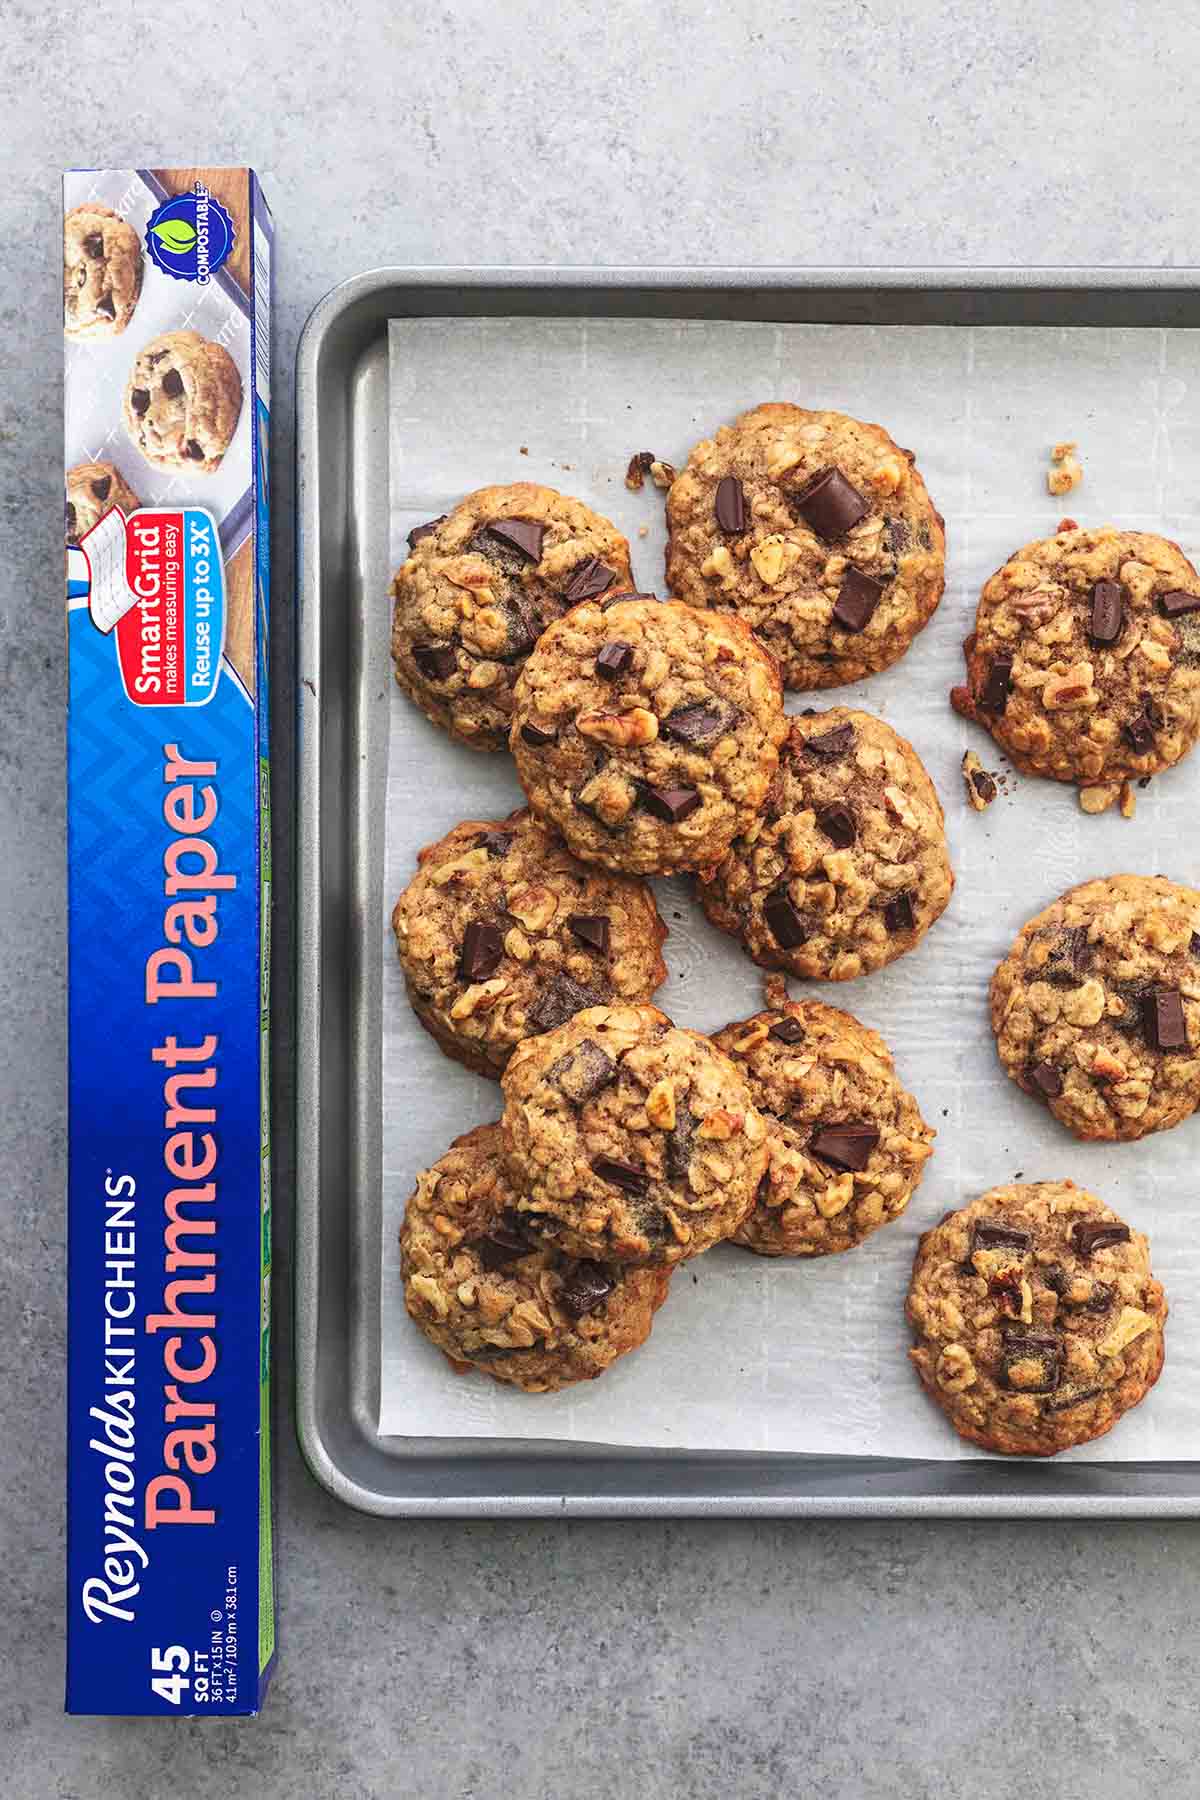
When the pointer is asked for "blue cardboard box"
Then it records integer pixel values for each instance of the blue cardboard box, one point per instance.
(166, 291)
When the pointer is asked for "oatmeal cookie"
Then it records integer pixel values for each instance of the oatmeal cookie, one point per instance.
(632, 1139)
(818, 531)
(1096, 1008)
(846, 867)
(847, 1145)
(502, 934)
(182, 402)
(1036, 1318)
(94, 488)
(491, 1299)
(480, 587)
(102, 271)
(1085, 659)
(647, 732)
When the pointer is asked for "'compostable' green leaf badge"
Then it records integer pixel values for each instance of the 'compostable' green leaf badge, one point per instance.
(175, 235)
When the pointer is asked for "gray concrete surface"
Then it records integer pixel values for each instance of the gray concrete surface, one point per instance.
(537, 1660)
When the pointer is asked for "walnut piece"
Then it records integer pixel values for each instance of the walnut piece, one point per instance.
(1066, 472)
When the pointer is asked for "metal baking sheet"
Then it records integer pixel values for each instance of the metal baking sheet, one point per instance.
(343, 476)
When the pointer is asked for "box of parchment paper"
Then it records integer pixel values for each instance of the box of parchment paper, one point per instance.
(166, 309)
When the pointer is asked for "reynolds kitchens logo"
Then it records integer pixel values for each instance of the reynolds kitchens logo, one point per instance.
(190, 235)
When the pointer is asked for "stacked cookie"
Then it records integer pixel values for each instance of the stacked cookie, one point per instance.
(650, 739)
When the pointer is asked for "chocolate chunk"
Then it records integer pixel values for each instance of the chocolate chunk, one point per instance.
(998, 685)
(559, 1001)
(437, 662)
(522, 535)
(994, 1234)
(639, 467)
(680, 1142)
(139, 400)
(613, 659)
(496, 843)
(837, 822)
(482, 949)
(194, 450)
(1108, 612)
(1041, 1349)
(787, 1030)
(830, 505)
(787, 924)
(1139, 732)
(1076, 1397)
(521, 632)
(1194, 942)
(591, 929)
(1133, 995)
(1176, 603)
(172, 384)
(1068, 957)
(845, 1146)
(587, 580)
(93, 244)
(1088, 1235)
(984, 785)
(1100, 1298)
(899, 536)
(423, 531)
(731, 504)
(898, 914)
(1056, 1279)
(859, 596)
(102, 487)
(1163, 1019)
(1045, 1079)
(72, 527)
(699, 725)
(624, 1175)
(831, 746)
(537, 735)
(107, 305)
(672, 805)
(586, 1287)
(583, 1072)
(500, 1247)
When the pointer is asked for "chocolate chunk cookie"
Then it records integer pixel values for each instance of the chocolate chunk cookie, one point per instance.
(503, 934)
(182, 402)
(1036, 1318)
(647, 732)
(479, 589)
(632, 1140)
(846, 868)
(102, 272)
(1085, 659)
(94, 488)
(1096, 1008)
(847, 1145)
(492, 1299)
(818, 531)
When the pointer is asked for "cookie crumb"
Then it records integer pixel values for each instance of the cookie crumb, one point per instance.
(662, 474)
(1068, 525)
(524, 449)
(640, 465)
(775, 992)
(980, 783)
(1067, 472)
(1128, 800)
(1099, 798)
(643, 531)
